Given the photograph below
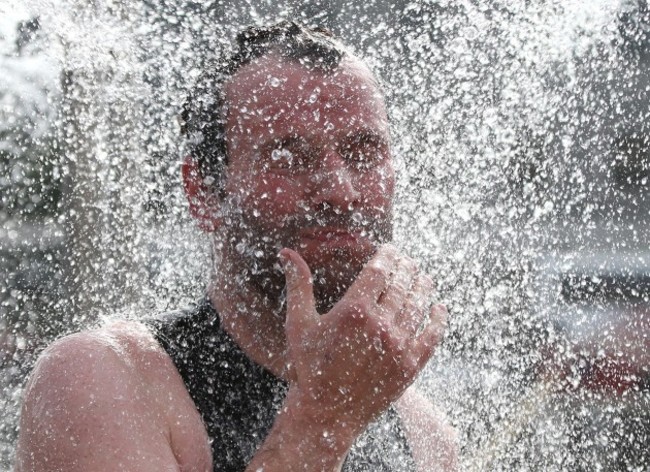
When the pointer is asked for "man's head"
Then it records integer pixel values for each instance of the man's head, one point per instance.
(206, 109)
(298, 136)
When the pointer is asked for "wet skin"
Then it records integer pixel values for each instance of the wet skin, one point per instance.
(112, 399)
(310, 173)
(309, 169)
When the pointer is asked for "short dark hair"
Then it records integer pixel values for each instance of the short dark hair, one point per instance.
(204, 112)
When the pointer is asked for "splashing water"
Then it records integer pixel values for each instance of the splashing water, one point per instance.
(522, 148)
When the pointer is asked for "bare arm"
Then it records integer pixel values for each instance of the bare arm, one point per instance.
(433, 440)
(87, 408)
(350, 364)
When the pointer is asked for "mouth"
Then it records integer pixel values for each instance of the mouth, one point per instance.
(332, 233)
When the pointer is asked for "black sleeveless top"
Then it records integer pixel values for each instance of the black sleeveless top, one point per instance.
(238, 399)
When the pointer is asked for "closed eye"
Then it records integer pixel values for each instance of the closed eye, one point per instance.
(364, 150)
(289, 153)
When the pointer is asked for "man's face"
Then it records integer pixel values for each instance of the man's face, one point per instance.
(309, 168)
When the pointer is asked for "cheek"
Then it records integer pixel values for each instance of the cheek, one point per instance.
(270, 195)
(378, 187)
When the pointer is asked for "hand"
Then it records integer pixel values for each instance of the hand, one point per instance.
(350, 364)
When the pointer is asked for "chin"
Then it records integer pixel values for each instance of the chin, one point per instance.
(334, 270)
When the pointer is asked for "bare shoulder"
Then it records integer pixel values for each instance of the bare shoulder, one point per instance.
(105, 398)
(121, 346)
(114, 362)
(433, 439)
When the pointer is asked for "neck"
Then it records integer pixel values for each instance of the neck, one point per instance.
(254, 320)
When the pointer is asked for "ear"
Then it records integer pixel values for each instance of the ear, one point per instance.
(204, 201)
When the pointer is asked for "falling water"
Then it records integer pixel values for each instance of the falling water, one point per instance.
(520, 133)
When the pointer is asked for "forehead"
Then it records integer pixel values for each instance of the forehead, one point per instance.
(273, 94)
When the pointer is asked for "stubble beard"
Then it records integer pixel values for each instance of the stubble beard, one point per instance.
(255, 263)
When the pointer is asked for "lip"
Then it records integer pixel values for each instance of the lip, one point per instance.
(331, 233)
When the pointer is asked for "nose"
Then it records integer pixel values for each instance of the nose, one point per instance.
(334, 183)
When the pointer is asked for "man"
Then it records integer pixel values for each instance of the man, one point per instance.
(290, 156)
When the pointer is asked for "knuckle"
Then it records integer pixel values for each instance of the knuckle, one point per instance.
(433, 340)
(410, 366)
(410, 316)
(375, 271)
(440, 316)
(387, 249)
(401, 287)
(426, 355)
(410, 308)
(427, 282)
(359, 309)
(391, 340)
(409, 263)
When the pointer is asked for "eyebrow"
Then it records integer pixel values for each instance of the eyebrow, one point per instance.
(368, 133)
(362, 133)
(283, 141)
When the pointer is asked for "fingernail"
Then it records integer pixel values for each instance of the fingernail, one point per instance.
(441, 313)
(284, 258)
(287, 264)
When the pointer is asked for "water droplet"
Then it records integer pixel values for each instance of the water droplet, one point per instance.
(278, 154)
(314, 96)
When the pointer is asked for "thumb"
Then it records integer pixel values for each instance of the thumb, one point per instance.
(301, 306)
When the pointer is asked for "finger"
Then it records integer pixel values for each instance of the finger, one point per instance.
(398, 289)
(425, 343)
(301, 305)
(372, 280)
(413, 310)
